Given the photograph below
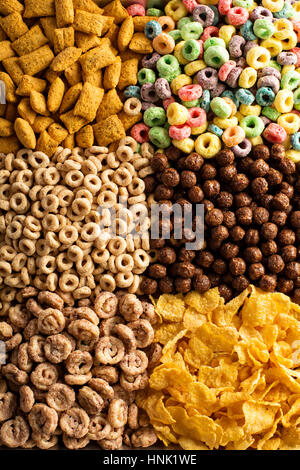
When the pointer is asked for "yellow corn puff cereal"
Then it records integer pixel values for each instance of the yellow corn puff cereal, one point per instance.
(25, 133)
(89, 101)
(13, 25)
(90, 23)
(65, 59)
(109, 130)
(38, 8)
(111, 104)
(55, 95)
(64, 11)
(125, 34)
(36, 61)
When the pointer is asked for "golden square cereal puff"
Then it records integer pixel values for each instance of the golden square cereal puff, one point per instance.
(97, 58)
(28, 83)
(13, 69)
(139, 22)
(41, 123)
(86, 41)
(129, 120)
(170, 307)
(73, 74)
(108, 131)
(36, 61)
(3, 36)
(89, 23)
(57, 132)
(63, 38)
(30, 41)
(9, 6)
(10, 88)
(204, 303)
(55, 95)
(49, 25)
(107, 22)
(73, 123)
(85, 137)
(46, 144)
(65, 59)
(70, 97)
(38, 8)
(112, 74)
(25, 111)
(141, 44)
(25, 133)
(6, 128)
(9, 144)
(125, 34)
(87, 5)
(64, 12)
(88, 102)
(13, 25)
(128, 55)
(128, 74)
(94, 78)
(6, 51)
(113, 34)
(116, 10)
(110, 104)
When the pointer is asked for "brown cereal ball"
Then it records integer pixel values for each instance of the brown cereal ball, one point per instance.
(186, 255)
(288, 253)
(224, 200)
(170, 178)
(295, 219)
(219, 233)
(229, 219)
(225, 292)
(259, 186)
(214, 218)
(266, 201)
(219, 266)
(227, 173)
(183, 285)
(237, 233)
(279, 218)
(173, 153)
(237, 266)
(277, 152)
(225, 157)
(166, 285)
(211, 188)
(201, 283)
(149, 286)
(296, 296)
(229, 250)
(240, 283)
(256, 271)
(159, 162)
(214, 279)
(284, 285)
(244, 164)
(244, 216)
(242, 200)
(251, 237)
(208, 172)
(261, 151)
(157, 271)
(150, 184)
(280, 202)
(292, 270)
(253, 254)
(208, 205)
(275, 264)
(239, 182)
(166, 255)
(287, 189)
(185, 270)
(204, 258)
(259, 168)
(269, 248)
(163, 192)
(188, 179)
(286, 237)
(268, 282)
(274, 177)
(155, 244)
(195, 194)
(287, 166)
(269, 231)
(194, 162)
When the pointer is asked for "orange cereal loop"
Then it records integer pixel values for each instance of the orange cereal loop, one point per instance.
(163, 44)
(167, 23)
(233, 136)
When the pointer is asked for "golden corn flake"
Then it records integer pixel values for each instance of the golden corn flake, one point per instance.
(229, 376)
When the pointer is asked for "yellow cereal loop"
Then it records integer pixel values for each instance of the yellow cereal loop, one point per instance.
(176, 10)
(290, 122)
(226, 32)
(248, 78)
(199, 130)
(248, 110)
(273, 5)
(296, 7)
(287, 68)
(185, 145)
(282, 28)
(239, 116)
(178, 53)
(193, 67)
(208, 145)
(284, 101)
(256, 140)
(274, 46)
(289, 42)
(179, 82)
(293, 155)
(258, 57)
(177, 114)
(225, 123)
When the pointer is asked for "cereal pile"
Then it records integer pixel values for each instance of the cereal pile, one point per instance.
(74, 371)
(221, 75)
(65, 64)
(229, 376)
(251, 223)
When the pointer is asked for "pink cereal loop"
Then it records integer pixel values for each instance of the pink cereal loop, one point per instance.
(197, 117)
(226, 69)
(179, 132)
(224, 6)
(237, 16)
(190, 5)
(140, 133)
(136, 10)
(168, 101)
(190, 92)
(209, 32)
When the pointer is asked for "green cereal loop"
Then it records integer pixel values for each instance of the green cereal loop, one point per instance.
(175, 34)
(168, 65)
(252, 125)
(270, 113)
(274, 64)
(183, 21)
(263, 29)
(191, 104)
(297, 96)
(214, 42)
(154, 12)
(216, 56)
(192, 30)
(159, 137)
(243, 3)
(220, 108)
(290, 80)
(154, 116)
(146, 76)
(191, 49)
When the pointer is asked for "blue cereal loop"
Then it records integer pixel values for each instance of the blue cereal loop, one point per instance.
(215, 130)
(244, 96)
(265, 96)
(295, 141)
(205, 100)
(247, 31)
(132, 91)
(152, 29)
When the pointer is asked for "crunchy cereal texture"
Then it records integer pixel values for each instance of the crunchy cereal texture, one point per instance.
(109, 130)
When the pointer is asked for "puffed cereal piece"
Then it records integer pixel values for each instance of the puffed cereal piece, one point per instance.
(65, 59)
(41, 123)
(141, 44)
(69, 142)
(9, 144)
(9, 6)
(63, 38)
(112, 34)
(129, 121)
(51, 76)
(25, 111)
(10, 88)
(13, 25)
(86, 41)
(128, 54)
(28, 83)
(87, 5)
(25, 133)
(112, 74)
(36, 61)
(109, 130)
(89, 23)
(6, 128)
(85, 137)
(6, 50)
(128, 75)
(89, 101)
(46, 144)
(97, 58)
(64, 12)
(38, 8)
(57, 132)
(110, 104)
(116, 10)
(73, 123)
(71, 97)
(140, 22)
(13, 69)
(73, 74)
(94, 78)
(3, 36)
(108, 22)
(55, 95)
(38, 103)
(49, 26)
(125, 34)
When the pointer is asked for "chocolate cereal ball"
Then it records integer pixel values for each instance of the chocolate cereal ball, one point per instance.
(237, 266)
(201, 283)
